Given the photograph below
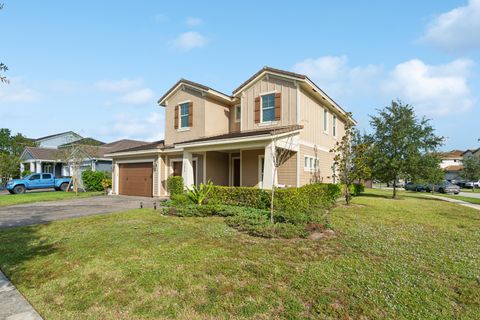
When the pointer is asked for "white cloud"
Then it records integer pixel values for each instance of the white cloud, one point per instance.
(434, 89)
(149, 128)
(18, 92)
(189, 40)
(333, 74)
(192, 21)
(140, 96)
(456, 30)
(121, 85)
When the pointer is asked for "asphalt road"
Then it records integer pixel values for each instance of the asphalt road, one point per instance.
(43, 212)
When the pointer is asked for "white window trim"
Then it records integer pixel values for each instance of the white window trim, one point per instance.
(235, 110)
(266, 123)
(316, 163)
(180, 128)
(325, 121)
(334, 126)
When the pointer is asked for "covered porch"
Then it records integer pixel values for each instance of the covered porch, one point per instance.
(248, 163)
(48, 166)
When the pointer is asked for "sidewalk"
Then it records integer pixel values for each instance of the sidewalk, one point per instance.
(13, 306)
(460, 202)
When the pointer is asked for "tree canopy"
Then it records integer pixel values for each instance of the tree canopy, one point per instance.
(399, 143)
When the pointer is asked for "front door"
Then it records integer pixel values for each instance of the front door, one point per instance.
(236, 172)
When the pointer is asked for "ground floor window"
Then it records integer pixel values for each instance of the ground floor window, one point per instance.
(310, 163)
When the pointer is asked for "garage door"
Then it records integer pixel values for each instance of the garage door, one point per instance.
(136, 179)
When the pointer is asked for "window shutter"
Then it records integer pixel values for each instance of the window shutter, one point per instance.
(176, 117)
(190, 114)
(257, 110)
(278, 106)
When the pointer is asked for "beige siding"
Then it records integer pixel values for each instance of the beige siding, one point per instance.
(325, 165)
(311, 117)
(249, 159)
(217, 167)
(289, 101)
(287, 172)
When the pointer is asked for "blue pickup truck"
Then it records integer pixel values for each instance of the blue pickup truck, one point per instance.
(37, 181)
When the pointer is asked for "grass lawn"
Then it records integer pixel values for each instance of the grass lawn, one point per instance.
(29, 197)
(411, 258)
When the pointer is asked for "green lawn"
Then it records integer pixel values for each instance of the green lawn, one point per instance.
(411, 258)
(29, 197)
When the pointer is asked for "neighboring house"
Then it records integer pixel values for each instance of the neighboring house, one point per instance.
(227, 139)
(54, 158)
(452, 162)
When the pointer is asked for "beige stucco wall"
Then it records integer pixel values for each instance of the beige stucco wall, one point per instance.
(249, 159)
(287, 172)
(217, 167)
(217, 117)
(325, 165)
(311, 117)
(272, 84)
(234, 125)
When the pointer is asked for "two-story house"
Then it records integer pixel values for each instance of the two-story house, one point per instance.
(231, 139)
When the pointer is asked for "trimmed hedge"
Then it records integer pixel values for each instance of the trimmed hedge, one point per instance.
(175, 185)
(92, 180)
(240, 196)
(355, 189)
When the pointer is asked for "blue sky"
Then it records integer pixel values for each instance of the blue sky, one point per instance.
(98, 67)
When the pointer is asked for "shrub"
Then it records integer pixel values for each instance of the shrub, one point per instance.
(200, 193)
(106, 184)
(92, 180)
(192, 210)
(180, 199)
(175, 185)
(240, 196)
(358, 188)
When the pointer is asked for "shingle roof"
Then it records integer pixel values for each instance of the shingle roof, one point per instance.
(83, 141)
(194, 84)
(154, 145)
(123, 144)
(454, 154)
(43, 153)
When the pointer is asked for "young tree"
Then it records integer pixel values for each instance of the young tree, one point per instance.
(350, 159)
(471, 169)
(429, 170)
(281, 152)
(399, 140)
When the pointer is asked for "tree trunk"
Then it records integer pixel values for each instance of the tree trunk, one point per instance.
(433, 188)
(347, 194)
(273, 194)
(395, 188)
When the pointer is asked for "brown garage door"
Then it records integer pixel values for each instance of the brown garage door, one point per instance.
(136, 179)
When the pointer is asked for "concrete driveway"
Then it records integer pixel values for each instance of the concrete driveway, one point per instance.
(43, 212)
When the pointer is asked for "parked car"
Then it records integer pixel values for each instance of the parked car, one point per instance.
(471, 184)
(37, 181)
(415, 186)
(460, 183)
(445, 187)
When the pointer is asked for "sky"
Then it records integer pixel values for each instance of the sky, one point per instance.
(99, 67)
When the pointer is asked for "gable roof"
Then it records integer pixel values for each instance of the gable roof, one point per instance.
(454, 154)
(194, 85)
(42, 153)
(57, 135)
(471, 150)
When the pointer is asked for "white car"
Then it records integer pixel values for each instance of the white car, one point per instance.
(471, 184)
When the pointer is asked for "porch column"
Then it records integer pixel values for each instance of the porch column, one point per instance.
(187, 169)
(38, 166)
(32, 166)
(269, 168)
(22, 168)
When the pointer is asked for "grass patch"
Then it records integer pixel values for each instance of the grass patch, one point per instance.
(11, 199)
(410, 258)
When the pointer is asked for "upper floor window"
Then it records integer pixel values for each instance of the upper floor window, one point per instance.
(268, 107)
(238, 113)
(325, 120)
(334, 126)
(184, 115)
